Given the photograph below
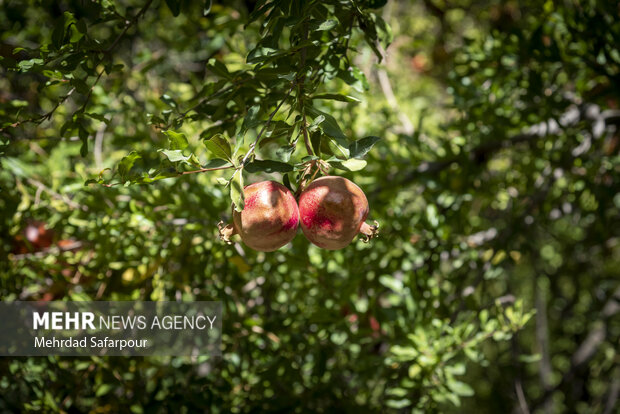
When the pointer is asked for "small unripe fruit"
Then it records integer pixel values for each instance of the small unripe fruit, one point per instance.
(332, 212)
(269, 219)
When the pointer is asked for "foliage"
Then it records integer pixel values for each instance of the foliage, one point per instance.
(485, 137)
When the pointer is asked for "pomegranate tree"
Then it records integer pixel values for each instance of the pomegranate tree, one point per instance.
(269, 219)
(332, 211)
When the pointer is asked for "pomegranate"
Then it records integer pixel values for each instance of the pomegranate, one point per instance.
(269, 219)
(332, 211)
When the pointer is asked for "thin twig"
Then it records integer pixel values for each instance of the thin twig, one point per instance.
(207, 169)
(45, 116)
(90, 92)
(304, 128)
(346, 43)
(128, 25)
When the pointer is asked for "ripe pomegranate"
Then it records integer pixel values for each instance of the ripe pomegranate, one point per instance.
(332, 211)
(269, 219)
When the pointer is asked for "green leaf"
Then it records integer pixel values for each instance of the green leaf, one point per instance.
(361, 147)
(461, 389)
(136, 409)
(336, 97)
(193, 160)
(98, 117)
(286, 181)
(329, 126)
(109, 68)
(392, 283)
(158, 175)
(352, 164)
(284, 153)
(236, 190)
(337, 148)
(398, 404)
(26, 65)
(528, 359)
(316, 122)
(251, 119)
(177, 141)
(216, 163)
(174, 155)
(315, 141)
(356, 78)
(260, 54)
(288, 76)
(168, 100)
(103, 389)
(397, 392)
(404, 353)
(414, 371)
(432, 215)
(318, 26)
(174, 6)
(125, 165)
(218, 68)
(80, 85)
(220, 147)
(67, 127)
(268, 166)
(384, 31)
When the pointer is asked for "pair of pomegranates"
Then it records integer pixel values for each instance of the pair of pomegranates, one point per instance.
(332, 211)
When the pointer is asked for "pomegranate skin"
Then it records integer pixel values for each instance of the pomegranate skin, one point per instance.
(332, 211)
(270, 217)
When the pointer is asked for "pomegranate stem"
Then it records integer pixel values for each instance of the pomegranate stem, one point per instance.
(226, 232)
(368, 232)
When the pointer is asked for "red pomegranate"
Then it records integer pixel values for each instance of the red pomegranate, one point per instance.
(332, 211)
(269, 219)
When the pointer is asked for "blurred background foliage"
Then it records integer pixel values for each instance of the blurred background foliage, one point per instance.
(493, 286)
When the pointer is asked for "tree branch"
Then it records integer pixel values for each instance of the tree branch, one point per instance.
(207, 169)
